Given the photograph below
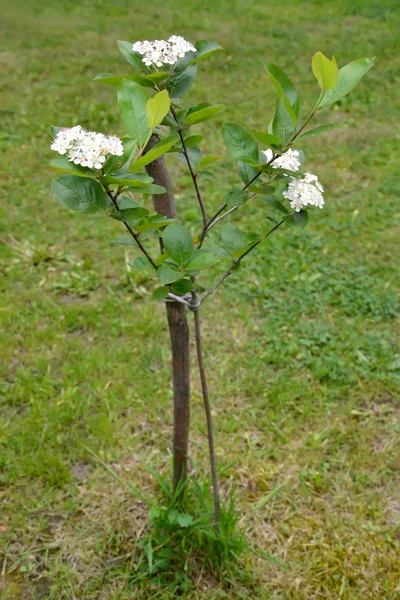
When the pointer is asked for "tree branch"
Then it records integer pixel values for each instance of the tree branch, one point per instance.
(133, 234)
(310, 116)
(238, 260)
(228, 212)
(212, 221)
(192, 173)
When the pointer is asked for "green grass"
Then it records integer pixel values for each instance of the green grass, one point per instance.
(301, 345)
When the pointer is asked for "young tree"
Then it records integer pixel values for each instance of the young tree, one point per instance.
(107, 175)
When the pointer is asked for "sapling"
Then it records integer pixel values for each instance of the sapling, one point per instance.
(106, 175)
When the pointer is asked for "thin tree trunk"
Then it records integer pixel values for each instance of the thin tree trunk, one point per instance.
(179, 334)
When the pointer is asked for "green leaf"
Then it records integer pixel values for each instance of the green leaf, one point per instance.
(297, 219)
(120, 164)
(295, 174)
(204, 49)
(141, 263)
(133, 58)
(236, 197)
(282, 124)
(80, 194)
(151, 189)
(127, 202)
(272, 141)
(157, 107)
(180, 115)
(201, 259)
(250, 240)
(325, 71)
(261, 189)
(178, 243)
(132, 100)
(207, 160)
(194, 154)
(184, 520)
(196, 107)
(124, 241)
(182, 64)
(54, 130)
(154, 222)
(232, 238)
(349, 76)
(321, 129)
(157, 150)
(205, 114)
(133, 180)
(235, 242)
(206, 175)
(284, 88)
(167, 274)
(182, 287)
(172, 516)
(129, 214)
(272, 201)
(63, 163)
(246, 172)
(240, 143)
(116, 80)
(160, 293)
(193, 140)
(160, 260)
(158, 76)
(179, 84)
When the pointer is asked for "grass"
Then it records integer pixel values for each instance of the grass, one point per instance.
(301, 347)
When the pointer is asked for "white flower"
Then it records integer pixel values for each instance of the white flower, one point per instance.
(304, 192)
(290, 160)
(86, 148)
(162, 52)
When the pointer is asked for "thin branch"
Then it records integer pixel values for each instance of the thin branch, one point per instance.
(310, 116)
(208, 225)
(212, 221)
(192, 173)
(248, 184)
(210, 432)
(238, 260)
(133, 234)
(228, 212)
(225, 214)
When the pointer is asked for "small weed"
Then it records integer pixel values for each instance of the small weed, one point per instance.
(181, 540)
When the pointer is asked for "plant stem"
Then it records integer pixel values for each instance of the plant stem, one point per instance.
(228, 212)
(192, 173)
(133, 234)
(248, 184)
(238, 260)
(212, 221)
(310, 116)
(210, 432)
(207, 226)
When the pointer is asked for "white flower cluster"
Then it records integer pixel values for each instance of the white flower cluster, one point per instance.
(290, 160)
(86, 148)
(304, 192)
(161, 52)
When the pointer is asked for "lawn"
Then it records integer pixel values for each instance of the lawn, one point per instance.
(301, 346)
